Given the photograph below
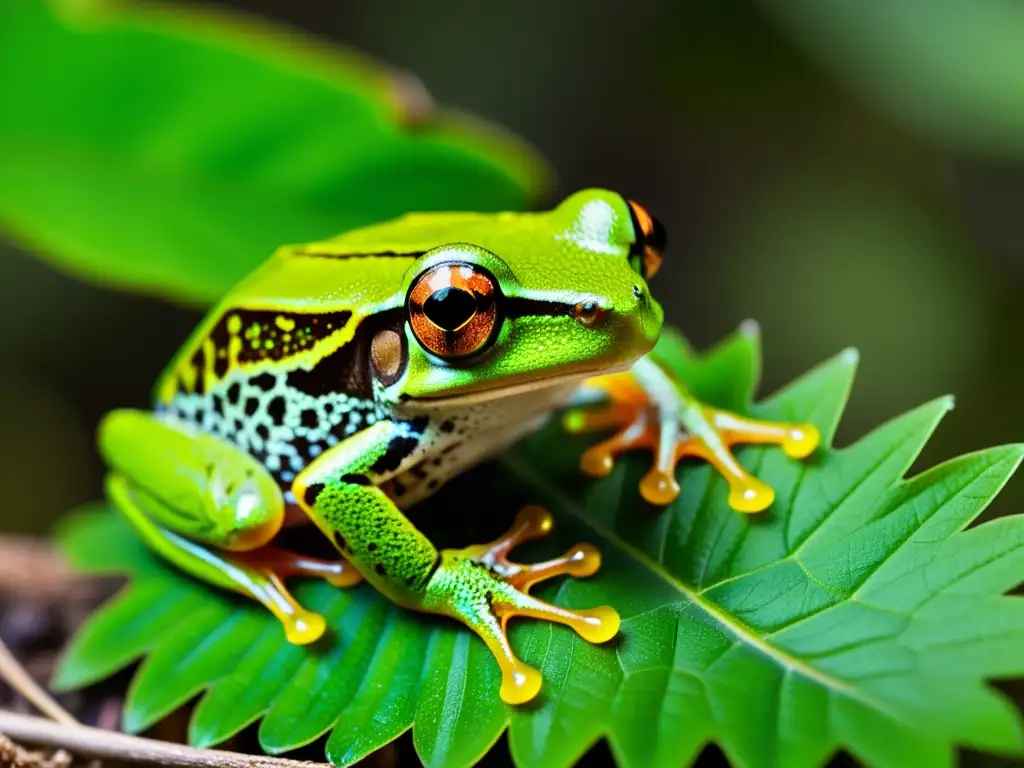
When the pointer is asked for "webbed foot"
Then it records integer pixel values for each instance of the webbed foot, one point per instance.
(650, 410)
(481, 587)
(267, 569)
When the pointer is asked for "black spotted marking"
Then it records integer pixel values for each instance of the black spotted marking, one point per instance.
(220, 362)
(401, 446)
(354, 479)
(380, 569)
(197, 361)
(371, 547)
(265, 381)
(339, 540)
(276, 410)
(447, 426)
(348, 369)
(266, 335)
(345, 370)
(263, 338)
(312, 491)
(301, 446)
(398, 449)
(271, 420)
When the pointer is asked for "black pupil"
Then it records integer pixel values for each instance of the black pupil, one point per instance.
(449, 308)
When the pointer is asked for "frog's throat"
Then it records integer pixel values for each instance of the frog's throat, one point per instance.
(511, 390)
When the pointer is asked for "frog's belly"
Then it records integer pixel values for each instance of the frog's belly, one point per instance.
(482, 432)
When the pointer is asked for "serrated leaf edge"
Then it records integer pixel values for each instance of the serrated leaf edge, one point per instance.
(732, 626)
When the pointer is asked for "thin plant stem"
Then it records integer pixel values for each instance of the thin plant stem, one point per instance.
(15, 675)
(83, 741)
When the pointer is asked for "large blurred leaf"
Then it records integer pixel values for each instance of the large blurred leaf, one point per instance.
(171, 150)
(950, 68)
(855, 614)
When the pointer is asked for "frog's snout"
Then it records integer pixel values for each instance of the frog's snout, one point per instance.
(652, 317)
(625, 328)
(645, 316)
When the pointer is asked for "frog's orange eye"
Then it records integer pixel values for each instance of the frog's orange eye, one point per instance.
(453, 309)
(649, 244)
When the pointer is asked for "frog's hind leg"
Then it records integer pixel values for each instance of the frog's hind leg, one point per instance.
(244, 573)
(651, 409)
(210, 509)
(284, 564)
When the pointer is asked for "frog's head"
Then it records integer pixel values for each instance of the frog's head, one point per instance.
(518, 301)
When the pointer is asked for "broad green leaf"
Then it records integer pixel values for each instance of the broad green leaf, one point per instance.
(856, 614)
(950, 69)
(172, 150)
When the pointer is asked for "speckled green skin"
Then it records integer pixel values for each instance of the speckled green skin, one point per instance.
(363, 522)
(273, 404)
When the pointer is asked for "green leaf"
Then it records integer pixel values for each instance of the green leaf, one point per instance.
(856, 614)
(172, 150)
(949, 69)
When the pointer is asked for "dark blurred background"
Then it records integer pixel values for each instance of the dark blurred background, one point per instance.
(839, 191)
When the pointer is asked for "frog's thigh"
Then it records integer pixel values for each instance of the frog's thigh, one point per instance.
(208, 508)
(193, 483)
(220, 569)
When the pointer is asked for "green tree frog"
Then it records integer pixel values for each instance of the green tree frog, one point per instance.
(345, 380)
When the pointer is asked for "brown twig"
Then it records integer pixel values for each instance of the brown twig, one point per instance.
(33, 570)
(84, 741)
(12, 673)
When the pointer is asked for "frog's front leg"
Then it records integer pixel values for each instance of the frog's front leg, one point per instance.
(477, 585)
(211, 509)
(652, 409)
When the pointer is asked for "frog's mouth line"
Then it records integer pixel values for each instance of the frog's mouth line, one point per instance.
(522, 388)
